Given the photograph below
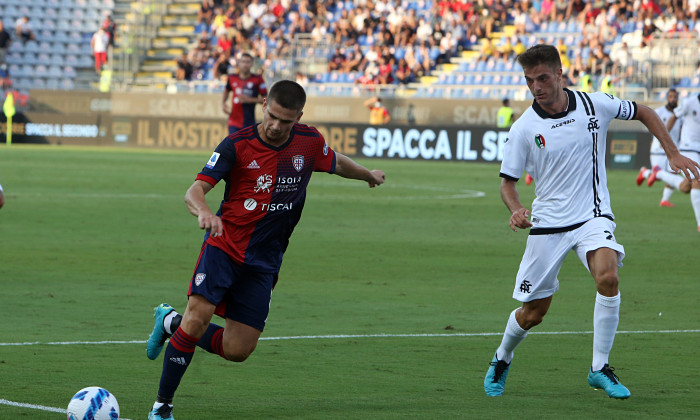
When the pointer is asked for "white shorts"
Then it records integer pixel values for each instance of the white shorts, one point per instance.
(661, 161)
(691, 155)
(544, 256)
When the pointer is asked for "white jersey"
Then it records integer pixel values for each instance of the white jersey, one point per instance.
(689, 110)
(565, 155)
(664, 113)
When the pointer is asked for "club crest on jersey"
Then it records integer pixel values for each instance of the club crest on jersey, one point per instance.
(539, 141)
(264, 182)
(199, 278)
(298, 162)
(325, 149)
(212, 160)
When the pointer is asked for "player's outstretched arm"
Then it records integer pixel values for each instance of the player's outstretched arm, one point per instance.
(197, 205)
(677, 161)
(511, 198)
(348, 168)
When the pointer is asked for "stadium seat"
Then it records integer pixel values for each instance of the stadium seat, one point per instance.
(31, 46)
(54, 71)
(67, 84)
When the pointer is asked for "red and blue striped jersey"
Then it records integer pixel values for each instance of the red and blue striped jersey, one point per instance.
(243, 115)
(265, 191)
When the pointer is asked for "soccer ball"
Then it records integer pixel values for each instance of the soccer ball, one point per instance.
(93, 403)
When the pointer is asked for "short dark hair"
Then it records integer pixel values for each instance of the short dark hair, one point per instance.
(287, 94)
(540, 54)
(505, 101)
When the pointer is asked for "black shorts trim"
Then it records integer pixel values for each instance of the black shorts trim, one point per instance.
(549, 231)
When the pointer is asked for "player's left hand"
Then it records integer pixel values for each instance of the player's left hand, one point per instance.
(689, 167)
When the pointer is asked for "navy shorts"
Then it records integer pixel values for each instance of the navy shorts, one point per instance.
(239, 293)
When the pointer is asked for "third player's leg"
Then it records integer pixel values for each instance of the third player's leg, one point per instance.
(532, 313)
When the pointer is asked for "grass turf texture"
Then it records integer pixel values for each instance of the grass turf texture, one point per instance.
(93, 239)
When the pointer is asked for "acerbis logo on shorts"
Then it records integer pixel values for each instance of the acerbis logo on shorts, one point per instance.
(250, 204)
(199, 278)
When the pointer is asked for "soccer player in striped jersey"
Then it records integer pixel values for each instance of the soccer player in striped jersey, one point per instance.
(560, 141)
(246, 90)
(266, 169)
(660, 170)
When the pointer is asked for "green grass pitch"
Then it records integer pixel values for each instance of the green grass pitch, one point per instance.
(92, 239)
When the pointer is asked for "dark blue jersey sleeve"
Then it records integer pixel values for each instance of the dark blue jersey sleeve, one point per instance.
(220, 163)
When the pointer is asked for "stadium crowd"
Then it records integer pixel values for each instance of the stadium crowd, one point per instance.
(384, 42)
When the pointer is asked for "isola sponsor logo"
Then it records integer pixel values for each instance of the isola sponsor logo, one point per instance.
(539, 141)
(563, 123)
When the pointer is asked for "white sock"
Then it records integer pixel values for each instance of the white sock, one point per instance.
(667, 194)
(157, 405)
(606, 316)
(695, 200)
(513, 335)
(167, 320)
(669, 178)
(647, 173)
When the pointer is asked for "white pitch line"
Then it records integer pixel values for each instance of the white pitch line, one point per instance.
(337, 336)
(37, 407)
(314, 337)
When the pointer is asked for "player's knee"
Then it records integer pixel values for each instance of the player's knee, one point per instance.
(607, 282)
(685, 186)
(530, 318)
(194, 326)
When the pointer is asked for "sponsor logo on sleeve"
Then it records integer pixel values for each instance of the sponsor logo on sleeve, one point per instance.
(212, 160)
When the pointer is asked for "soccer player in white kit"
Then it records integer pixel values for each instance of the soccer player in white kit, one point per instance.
(660, 170)
(561, 141)
(689, 145)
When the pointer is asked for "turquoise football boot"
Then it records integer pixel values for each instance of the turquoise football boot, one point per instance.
(605, 379)
(495, 380)
(157, 338)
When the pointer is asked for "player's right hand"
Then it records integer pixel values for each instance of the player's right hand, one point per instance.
(378, 178)
(211, 223)
(520, 219)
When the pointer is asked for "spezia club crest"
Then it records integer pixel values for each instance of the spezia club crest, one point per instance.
(539, 141)
(298, 162)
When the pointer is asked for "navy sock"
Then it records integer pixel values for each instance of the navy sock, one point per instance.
(212, 340)
(178, 356)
